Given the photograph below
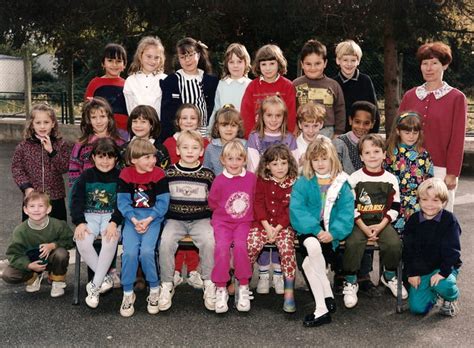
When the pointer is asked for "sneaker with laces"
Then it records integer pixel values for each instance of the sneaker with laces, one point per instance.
(195, 280)
(93, 293)
(449, 308)
(221, 300)
(166, 296)
(392, 284)
(127, 309)
(57, 289)
(350, 294)
(263, 285)
(243, 295)
(177, 278)
(34, 284)
(278, 284)
(115, 278)
(153, 302)
(107, 284)
(209, 295)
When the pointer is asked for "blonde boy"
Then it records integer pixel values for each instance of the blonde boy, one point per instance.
(432, 251)
(188, 214)
(355, 85)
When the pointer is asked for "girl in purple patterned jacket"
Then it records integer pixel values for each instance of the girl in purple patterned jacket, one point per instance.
(41, 159)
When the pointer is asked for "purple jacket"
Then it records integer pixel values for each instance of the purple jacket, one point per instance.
(32, 166)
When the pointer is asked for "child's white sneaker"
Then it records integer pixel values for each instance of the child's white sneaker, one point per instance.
(278, 284)
(263, 285)
(209, 295)
(449, 308)
(93, 293)
(153, 302)
(195, 280)
(34, 284)
(166, 296)
(177, 278)
(350, 294)
(57, 289)
(127, 309)
(392, 284)
(107, 284)
(243, 296)
(222, 297)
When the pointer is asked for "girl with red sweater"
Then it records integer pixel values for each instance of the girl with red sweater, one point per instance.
(277, 172)
(110, 85)
(269, 65)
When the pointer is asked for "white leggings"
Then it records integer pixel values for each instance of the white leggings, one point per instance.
(314, 267)
(100, 264)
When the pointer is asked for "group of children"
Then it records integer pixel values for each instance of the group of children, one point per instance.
(249, 163)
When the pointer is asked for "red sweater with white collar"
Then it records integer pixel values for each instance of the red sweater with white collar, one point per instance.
(444, 126)
(272, 201)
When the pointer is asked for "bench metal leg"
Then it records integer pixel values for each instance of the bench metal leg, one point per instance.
(399, 308)
(77, 278)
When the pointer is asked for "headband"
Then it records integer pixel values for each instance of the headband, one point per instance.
(405, 115)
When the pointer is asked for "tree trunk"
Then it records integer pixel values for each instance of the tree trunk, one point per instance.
(70, 89)
(28, 81)
(391, 80)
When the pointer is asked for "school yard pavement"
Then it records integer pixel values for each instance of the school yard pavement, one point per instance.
(39, 320)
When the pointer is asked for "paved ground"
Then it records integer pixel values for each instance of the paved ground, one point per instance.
(39, 320)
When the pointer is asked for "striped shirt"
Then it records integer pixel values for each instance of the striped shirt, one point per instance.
(191, 89)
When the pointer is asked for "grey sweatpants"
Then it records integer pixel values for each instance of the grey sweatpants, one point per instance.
(203, 237)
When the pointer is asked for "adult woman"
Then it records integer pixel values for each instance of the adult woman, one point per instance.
(444, 111)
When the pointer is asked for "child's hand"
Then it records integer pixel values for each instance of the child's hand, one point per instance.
(111, 232)
(414, 281)
(45, 249)
(137, 224)
(80, 231)
(324, 237)
(37, 266)
(146, 222)
(369, 233)
(46, 142)
(435, 279)
(271, 236)
(134, 221)
(377, 228)
(28, 191)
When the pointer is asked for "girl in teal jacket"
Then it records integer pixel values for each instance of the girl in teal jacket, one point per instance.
(322, 214)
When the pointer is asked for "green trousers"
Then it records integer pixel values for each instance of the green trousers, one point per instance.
(422, 299)
(390, 249)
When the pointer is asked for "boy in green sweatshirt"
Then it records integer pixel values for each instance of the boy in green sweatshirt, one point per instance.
(39, 244)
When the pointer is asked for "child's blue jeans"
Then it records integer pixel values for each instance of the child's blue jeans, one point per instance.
(139, 246)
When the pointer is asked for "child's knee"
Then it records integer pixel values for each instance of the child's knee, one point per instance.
(60, 254)
(419, 307)
(448, 289)
(313, 247)
(130, 254)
